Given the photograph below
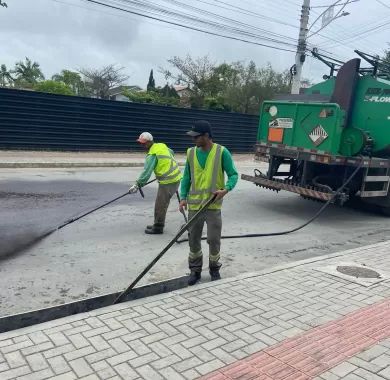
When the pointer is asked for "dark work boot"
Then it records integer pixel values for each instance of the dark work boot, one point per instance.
(194, 278)
(155, 229)
(149, 227)
(214, 272)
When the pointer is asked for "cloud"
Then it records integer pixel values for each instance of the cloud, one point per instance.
(59, 35)
(72, 34)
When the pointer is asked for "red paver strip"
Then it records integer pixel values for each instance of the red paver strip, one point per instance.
(315, 351)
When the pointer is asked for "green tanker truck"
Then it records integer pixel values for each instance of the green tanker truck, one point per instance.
(314, 141)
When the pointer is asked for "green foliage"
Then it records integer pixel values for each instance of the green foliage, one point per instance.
(387, 56)
(99, 82)
(197, 74)
(53, 87)
(154, 97)
(27, 73)
(6, 79)
(216, 103)
(238, 87)
(73, 80)
(168, 92)
(151, 83)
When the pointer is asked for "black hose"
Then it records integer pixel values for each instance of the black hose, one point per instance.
(316, 215)
(169, 245)
(321, 185)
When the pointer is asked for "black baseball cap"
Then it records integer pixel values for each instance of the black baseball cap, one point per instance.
(200, 127)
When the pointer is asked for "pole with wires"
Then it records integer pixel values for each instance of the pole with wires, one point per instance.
(301, 47)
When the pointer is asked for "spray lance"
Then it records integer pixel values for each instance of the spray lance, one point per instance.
(103, 205)
(184, 228)
(30, 243)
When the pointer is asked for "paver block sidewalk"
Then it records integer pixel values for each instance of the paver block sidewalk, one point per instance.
(292, 323)
(321, 349)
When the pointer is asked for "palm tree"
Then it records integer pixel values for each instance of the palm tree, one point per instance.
(73, 80)
(28, 72)
(5, 76)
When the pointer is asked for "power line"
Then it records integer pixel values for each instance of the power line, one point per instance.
(187, 26)
(343, 41)
(327, 6)
(93, 9)
(385, 5)
(366, 32)
(237, 9)
(190, 18)
(232, 32)
(230, 21)
(349, 34)
(256, 15)
(261, 16)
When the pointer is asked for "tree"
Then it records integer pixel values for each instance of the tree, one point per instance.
(73, 80)
(387, 56)
(151, 83)
(197, 74)
(242, 88)
(237, 86)
(100, 81)
(154, 97)
(168, 92)
(27, 73)
(5, 76)
(53, 87)
(216, 103)
(3, 4)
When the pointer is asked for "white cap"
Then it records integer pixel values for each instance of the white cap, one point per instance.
(145, 137)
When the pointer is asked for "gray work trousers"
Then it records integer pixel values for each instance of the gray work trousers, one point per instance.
(164, 195)
(213, 220)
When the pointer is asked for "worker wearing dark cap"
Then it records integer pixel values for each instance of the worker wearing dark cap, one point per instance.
(204, 175)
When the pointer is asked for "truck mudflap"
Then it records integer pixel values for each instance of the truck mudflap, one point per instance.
(277, 185)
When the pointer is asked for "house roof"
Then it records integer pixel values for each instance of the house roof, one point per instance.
(179, 87)
(119, 90)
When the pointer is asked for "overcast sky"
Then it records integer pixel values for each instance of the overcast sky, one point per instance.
(71, 34)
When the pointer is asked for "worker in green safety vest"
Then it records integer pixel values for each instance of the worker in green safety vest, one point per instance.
(161, 161)
(204, 175)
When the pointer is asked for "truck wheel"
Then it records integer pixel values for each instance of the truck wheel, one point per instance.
(385, 211)
(379, 205)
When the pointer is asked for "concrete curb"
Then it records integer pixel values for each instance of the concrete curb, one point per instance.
(43, 165)
(176, 293)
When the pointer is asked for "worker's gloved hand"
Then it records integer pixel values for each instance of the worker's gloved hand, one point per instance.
(220, 194)
(183, 205)
(133, 189)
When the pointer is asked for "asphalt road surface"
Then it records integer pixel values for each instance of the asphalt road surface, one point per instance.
(104, 252)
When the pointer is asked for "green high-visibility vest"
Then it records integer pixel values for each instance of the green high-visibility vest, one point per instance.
(167, 169)
(205, 181)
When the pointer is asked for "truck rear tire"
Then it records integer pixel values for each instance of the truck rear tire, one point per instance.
(378, 204)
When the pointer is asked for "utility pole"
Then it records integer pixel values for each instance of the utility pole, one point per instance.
(301, 48)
